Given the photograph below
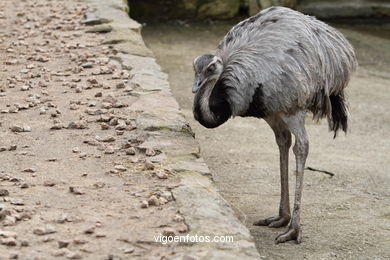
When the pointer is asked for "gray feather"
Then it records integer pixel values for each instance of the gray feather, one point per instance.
(299, 61)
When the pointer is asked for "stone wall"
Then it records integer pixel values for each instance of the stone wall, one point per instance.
(184, 9)
(226, 9)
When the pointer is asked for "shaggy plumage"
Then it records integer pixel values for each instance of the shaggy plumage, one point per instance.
(277, 65)
(298, 62)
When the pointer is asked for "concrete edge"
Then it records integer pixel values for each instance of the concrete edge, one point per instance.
(206, 213)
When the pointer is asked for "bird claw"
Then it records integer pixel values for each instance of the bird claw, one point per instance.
(275, 222)
(290, 234)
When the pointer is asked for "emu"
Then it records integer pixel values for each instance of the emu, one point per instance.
(278, 65)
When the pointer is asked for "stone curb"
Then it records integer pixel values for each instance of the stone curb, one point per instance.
(205, 212)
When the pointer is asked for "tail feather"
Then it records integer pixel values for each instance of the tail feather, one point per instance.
(338, 118)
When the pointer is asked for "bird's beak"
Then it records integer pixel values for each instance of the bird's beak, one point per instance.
(197, 85)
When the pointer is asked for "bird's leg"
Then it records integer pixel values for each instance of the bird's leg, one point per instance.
(301, 149)
(283, 139)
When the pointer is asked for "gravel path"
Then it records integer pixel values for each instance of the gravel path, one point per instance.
(75, 182)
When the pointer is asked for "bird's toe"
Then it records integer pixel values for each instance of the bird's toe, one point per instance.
(275, 222)
(290, 234)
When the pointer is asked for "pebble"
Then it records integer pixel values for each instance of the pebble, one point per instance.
(32, 170)
(5, 233)
(169, 232)
(120, 168)
(107, 139)
(148, 165)
(79, 241)
(109, 150)
(144, 204)
(63, 243)
(104, 126)
(20, 128)
(17, 202)
(4, 192)
(24, 185)
(128, 250)
(73, 255)
(131, 151)
(182, 228)
(41, 231)
(163, 201)
(76, 190)
(90, 230)
(9, 241)
(161, 174)
(153, 201)
(24, 243)
(76, 150)
(49, 183)
(9, 221)
(150, 152)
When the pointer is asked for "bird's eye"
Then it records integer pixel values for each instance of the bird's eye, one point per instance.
(211, 68)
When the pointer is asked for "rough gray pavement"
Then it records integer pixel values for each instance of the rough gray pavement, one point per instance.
(344, 217)
(95, 157)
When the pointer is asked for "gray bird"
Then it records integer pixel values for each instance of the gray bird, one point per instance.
(277, 65)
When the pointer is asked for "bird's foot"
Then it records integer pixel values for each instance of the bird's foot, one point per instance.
(275, 222)
(292, 233)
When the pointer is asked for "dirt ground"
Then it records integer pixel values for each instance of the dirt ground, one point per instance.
(74, 182)
(343, 217)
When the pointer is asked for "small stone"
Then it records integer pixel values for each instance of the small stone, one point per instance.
(120, 85)
(76, 190)
(20, 128)
(87, 65)
(120, 168)
(24, 185)
(9, 241)
(128, 250)
(79, 241)
(100, 235)
(169, 232)
(4, 233)
(109, 150)
(32, 170)
(104, 126)
(12, 147)
(161, 174)
(49, 183)
(48, 229)
(63, 243)
(107, 139)
(144, 204)
(4, 192)
(153, 201)
(90, 230)
(82, 155)
(9, 221)
(150, 152)
(148, 165)
(178, 218)
(24, 243)
(25, 88)
(182, 228)
(18, 202)
(130, 151)
(74, 255)
(163, 201)
(99, 94)
(76, 150)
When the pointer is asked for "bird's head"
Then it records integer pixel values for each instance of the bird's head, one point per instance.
(207, 69)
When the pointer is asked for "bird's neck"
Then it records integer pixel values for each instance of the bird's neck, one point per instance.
(211, 107)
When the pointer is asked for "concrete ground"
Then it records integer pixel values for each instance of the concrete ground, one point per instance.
(343, 217)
